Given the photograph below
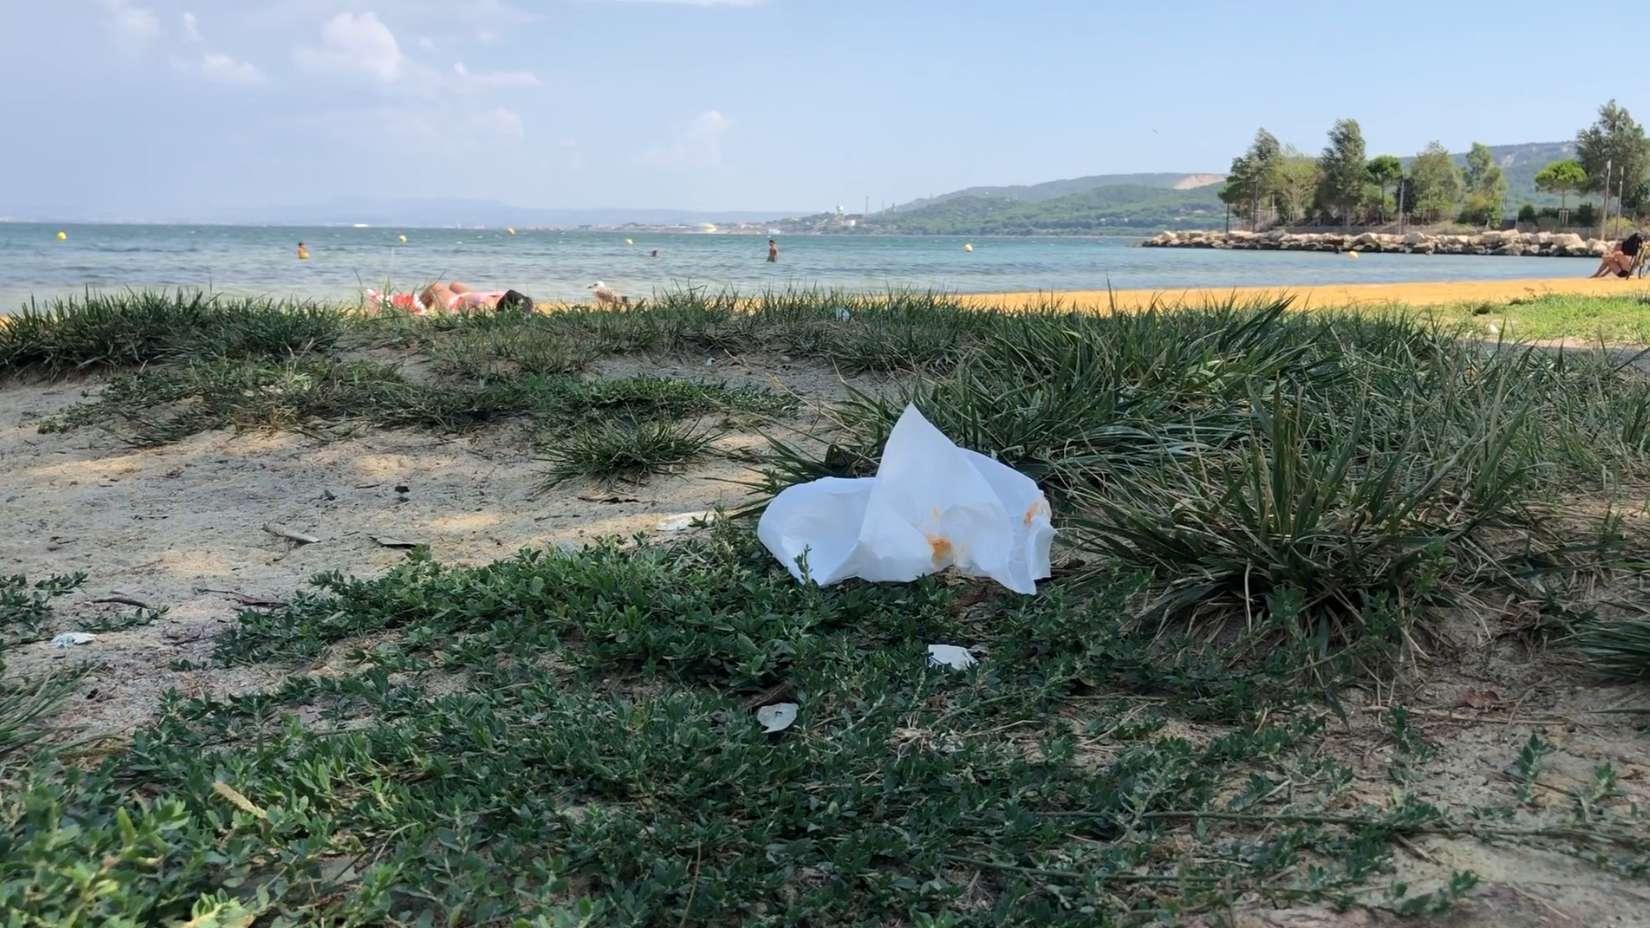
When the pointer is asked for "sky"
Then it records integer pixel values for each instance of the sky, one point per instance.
(168, 108)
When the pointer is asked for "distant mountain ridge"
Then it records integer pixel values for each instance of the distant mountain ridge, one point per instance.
(1053, 189)
(1103, 203)
(424, 212)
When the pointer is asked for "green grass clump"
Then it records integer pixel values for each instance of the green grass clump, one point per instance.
(1617, 651)
(1613, 320)
(25, 608)
(567, 738)
(166, 404)
(1321, 480)
(112, 331)
(25, 702)
(323, 395)
(623, 451)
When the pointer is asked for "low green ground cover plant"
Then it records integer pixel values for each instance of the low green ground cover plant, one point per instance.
(1258, 508)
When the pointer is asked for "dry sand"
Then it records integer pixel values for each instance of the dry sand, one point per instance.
(168, 525)
(1428, 293)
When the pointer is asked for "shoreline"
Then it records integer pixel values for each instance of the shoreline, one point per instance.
(1305, 296)
(1322, 296)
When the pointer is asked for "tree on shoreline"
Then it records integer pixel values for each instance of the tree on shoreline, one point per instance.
(1294, 184)
(1486, 187)
(1384, 171)
(1249, 184)
(1342, 167)
(1437, 183)
(1616, 142)
(1562, 177)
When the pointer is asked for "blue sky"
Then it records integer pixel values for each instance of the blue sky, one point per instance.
(156, 108)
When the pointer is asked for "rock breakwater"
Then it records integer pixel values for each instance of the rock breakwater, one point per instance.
(1533, 244)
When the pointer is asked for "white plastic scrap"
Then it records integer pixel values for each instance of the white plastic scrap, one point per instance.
(684, 521)
(777, 717)
(949, 655)
(931, 506)
(70, 639)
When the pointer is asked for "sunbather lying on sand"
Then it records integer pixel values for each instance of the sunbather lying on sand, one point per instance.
(455, 296)
(451, 297)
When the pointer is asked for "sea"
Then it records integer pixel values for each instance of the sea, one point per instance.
(556, 265)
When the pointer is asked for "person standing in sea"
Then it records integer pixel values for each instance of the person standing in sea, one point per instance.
(773, 251)
(303, 253)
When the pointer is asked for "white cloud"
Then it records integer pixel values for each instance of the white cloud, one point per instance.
(493, 80)
(134, 24)
(500, 120)
(226, 70)
(698, 144)
(426, 43)
(191, 28)
(356, 42)
(486, 36)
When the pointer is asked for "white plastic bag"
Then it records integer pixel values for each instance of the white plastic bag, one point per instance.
(931, 506)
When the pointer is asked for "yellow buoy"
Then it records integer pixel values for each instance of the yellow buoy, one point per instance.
(403, 239)
(629, 242)
(1352, 255)
(968, 246)
(62, 236)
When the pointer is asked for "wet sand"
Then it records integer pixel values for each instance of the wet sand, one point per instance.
(1430, 293)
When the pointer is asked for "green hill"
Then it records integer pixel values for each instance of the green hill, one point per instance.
(1520, 163)
(1122, 203)
(1112, 207)
(1054, 189)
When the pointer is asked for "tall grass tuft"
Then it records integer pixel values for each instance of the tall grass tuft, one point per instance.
(115, 330)
(1319, 482)
(1618, 651)
(623, 451)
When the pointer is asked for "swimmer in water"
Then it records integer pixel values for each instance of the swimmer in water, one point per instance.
(773, 251)
(654, 253)
(303, 253)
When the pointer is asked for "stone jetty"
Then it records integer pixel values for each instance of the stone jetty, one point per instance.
(1533, 244)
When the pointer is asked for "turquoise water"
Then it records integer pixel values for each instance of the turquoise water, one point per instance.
(555, 265)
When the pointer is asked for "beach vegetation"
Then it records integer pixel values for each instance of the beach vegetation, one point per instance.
(1563, 177)
(101, 331)
(1384, 172)
(1341, 170)
(1263, 513)
(1614, 150)
(610, 451)
(1437, 183)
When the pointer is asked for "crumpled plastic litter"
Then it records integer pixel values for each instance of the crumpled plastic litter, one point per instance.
(950, 655)
(932, 505)
(70, 639)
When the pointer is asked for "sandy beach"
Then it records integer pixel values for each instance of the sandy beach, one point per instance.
(1430, 293)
